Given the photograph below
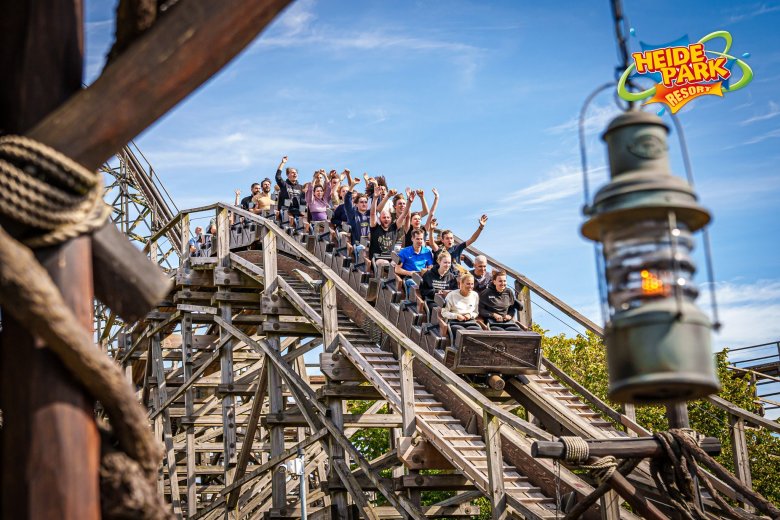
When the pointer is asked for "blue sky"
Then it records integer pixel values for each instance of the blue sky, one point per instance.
(480, 100)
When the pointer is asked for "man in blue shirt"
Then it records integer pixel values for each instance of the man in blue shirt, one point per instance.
(416, 258)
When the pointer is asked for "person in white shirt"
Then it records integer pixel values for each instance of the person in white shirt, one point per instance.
(461, 307)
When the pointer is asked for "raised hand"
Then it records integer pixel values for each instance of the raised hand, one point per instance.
(238, 193)
(393, 192)
(408, 192)
(284, 159)
(435, 192)
(420, 193)
(482, 220)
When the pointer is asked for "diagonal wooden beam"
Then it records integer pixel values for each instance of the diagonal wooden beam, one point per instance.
(249, 435)
(315, 412)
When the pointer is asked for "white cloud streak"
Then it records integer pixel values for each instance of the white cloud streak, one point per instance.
(297, 29)
(239, 145)
(748, 311)
(596, 120)
(562, 182)
(748, 12)
(774, 111)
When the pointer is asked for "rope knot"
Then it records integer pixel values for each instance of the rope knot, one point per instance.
(48, 193)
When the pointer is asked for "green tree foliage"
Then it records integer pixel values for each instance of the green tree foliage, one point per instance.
(584, 359)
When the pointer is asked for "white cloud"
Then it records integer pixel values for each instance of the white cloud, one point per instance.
(563, 182)
(774, 111)
(238, 145)
(763, 137)
(297, 28)
(748, 12)
(748, 311)
(596, 120)
(298, 18)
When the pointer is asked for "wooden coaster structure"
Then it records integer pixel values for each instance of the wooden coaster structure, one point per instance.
(247, 385)
(220, 362)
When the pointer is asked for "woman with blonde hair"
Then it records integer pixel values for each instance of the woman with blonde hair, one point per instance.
(461, 307)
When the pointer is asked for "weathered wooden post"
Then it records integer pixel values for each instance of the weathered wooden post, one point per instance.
(50, 444)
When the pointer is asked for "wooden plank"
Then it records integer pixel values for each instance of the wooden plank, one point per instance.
(160, 397)
(362, 420)
(744, 414)
(299, 303)
(740, 455)
(189, 406)
(495, 467)
(249, 434)
(406, 363)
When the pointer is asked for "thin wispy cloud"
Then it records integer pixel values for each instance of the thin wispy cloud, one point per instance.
(751, 11)
(772, 112)
(763, 137)
(297, 29)
(239, 145)
(748, 312)
(563, 182)
(596, 120)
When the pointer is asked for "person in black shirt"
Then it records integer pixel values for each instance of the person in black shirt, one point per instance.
(247, 203)
(291, 195)
(497, 304)
(384, 234)
(448, 241)
(439, 280)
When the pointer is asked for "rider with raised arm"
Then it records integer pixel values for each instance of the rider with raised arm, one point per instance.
(448, 241)
(291, 197)
(357, 217)
(384, 232)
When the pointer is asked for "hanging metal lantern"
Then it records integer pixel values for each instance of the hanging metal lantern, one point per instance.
(658, 341)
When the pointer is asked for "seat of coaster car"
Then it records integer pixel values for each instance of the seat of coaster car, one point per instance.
(243, 234)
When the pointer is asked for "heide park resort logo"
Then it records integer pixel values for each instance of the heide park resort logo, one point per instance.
(684, 71)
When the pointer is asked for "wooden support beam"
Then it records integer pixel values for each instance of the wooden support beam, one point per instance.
(189, 406)
(249, 434)
(318, 417)
(740, 455)
(495, 466)
(50, 443)
(275, 397)
(159, 394)
(620, 447)
(229, 418)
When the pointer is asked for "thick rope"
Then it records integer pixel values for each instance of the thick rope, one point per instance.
(577, 452)
(576, 449)
(676, 474)
(603, 469)
(48, 192)
(54, 199)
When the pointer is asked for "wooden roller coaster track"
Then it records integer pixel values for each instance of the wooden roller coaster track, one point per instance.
(221, 366)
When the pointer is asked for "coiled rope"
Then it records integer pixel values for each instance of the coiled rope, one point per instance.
(44, 190)
(676, 473)
(577, 452)
(53, 199)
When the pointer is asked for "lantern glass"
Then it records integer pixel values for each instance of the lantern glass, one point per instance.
(647, 260)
